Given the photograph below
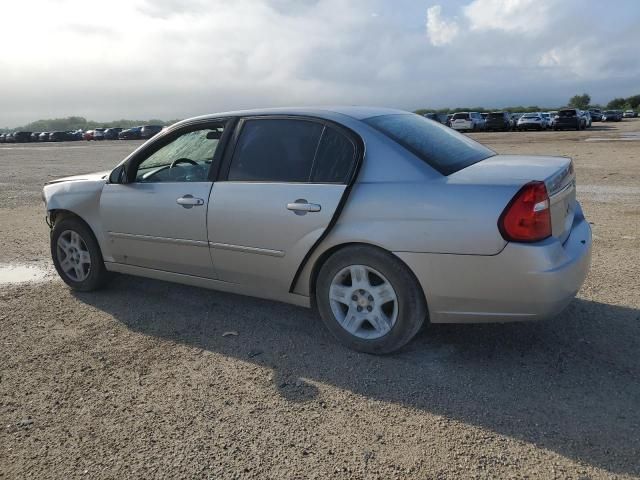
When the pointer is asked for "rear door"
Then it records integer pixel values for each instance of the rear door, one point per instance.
(279, 190)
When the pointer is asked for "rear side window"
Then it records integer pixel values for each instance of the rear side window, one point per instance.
(291, 151)
(441, 147)
(275, 150)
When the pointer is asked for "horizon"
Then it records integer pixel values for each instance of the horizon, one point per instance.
(178, 59)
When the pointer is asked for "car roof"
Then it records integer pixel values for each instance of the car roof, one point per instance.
(356, 112)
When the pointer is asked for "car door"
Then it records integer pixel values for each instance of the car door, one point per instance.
(157, 218)
(280, 189)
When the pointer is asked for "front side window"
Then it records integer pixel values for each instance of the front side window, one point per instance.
(185, 159)
(444, 149)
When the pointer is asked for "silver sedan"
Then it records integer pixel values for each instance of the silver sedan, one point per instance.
(380, 218)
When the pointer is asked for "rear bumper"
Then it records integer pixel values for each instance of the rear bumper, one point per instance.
(523, 282)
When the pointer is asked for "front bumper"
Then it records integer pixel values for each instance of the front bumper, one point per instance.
(522, 282)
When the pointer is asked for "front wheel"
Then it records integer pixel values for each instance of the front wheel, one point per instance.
(369, 300)
(76, 255)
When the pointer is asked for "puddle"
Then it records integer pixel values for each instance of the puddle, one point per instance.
(624, 137)
(11, 273)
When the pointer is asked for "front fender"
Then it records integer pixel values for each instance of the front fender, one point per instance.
(81, 198)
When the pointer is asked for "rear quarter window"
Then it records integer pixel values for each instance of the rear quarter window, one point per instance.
(444, 149)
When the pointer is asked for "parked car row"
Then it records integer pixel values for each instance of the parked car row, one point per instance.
(117, 133)
(25, 137)
(566, 118)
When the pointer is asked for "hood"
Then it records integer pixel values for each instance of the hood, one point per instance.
(86, 177)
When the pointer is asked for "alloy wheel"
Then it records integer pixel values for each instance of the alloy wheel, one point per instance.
(363, 302)
(73, 256)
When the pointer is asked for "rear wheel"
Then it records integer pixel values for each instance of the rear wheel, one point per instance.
(369, 300)
(76, 255)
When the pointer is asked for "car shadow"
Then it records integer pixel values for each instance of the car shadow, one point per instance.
(600, 127)
(569, 385)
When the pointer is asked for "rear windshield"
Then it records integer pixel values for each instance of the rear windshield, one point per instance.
(496, 115)
(567, 113)
(530, 115)
(441, 147)
(461, 116)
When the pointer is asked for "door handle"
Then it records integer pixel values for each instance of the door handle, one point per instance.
(302, 207)
(189, 201)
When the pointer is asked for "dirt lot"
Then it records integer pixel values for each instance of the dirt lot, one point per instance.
(138, 381)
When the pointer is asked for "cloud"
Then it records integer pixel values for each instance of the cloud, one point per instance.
(179, 58)
(524, 16)
(440, 31)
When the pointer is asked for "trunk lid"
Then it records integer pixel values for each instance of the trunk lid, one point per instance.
(516, 170)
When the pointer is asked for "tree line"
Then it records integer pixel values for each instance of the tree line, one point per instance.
(80, 123)
(582, 102)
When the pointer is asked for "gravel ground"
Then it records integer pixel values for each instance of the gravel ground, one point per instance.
(139, 380)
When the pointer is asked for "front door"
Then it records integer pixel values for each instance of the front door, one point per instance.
(159, 219)
(285, 181)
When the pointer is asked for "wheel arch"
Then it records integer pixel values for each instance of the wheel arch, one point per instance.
(326, 254)
(58, 214)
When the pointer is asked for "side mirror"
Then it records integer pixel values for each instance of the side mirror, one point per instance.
(118, 175)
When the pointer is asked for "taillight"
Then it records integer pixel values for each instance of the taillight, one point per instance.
(527, 217)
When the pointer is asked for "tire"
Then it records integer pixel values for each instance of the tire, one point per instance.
(75, 272)
(403, 316)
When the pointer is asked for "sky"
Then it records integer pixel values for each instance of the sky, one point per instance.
(172, 59)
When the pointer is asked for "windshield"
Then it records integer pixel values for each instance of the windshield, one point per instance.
(567, 113)
(530, 115)
(442, 148)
